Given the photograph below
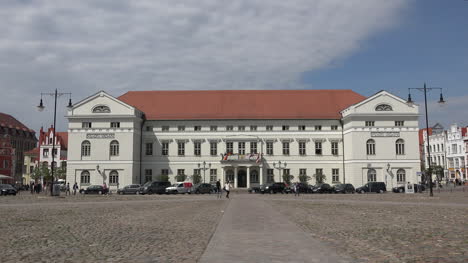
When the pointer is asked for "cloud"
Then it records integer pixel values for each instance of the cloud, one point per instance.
(453, 111)
(120, 45)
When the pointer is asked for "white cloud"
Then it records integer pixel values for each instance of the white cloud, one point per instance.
(120, 45)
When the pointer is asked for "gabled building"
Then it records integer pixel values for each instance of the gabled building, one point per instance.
(242, 136)
(31, 161)
(456, 152)
(46, 144)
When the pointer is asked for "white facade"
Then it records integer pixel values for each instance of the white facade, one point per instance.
(456, 151)
(306, 146)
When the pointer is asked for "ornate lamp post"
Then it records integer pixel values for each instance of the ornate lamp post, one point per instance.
(41, 107)
(204, 168)
(441, 102)
(280, 166)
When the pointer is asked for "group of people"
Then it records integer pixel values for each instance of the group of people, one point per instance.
(227, 188)
(37, 188)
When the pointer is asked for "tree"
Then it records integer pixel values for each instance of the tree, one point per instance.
(303, 178)
(162, 178)
(42, 172)
(180, 177)
(287, 178)
(438, 171)
(61, 172)
(320, 178)
(196, 178)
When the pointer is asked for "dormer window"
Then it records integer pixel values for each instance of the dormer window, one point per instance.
(383, 107)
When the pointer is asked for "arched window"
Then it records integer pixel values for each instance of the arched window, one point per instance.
(86, 148)
(113, 177)
(370, 147)
(383, 107)
(45, 164)
(101, 109)
(371, 175)
(400, 147)
(84, 177)
(401, 176)
(114, 148)
(254, 176)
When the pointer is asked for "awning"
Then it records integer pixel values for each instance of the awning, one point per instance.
(5, 177)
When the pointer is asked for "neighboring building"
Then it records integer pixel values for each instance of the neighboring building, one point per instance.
(22, 139)
(456, 152)
(7, 159)
(31, 161)
(242, 135)
(46, 144)
(437, 144)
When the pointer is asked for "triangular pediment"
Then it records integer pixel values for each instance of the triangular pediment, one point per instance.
(102, 104)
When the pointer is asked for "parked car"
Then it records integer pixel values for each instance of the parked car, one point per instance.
(301, 187)
(274, 188)
(180, 188)
(203, 189)
(344, 189)
(7, 189)
(156, 187)
(95, 189)
(417, 188)
(322, 188)
(129, 189)
(372, 187)
(254, 189)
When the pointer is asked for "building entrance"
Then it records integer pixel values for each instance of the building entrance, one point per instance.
(241, 178)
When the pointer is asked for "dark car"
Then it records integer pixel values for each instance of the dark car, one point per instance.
(7, 189)
(372, 187)
(417, 188)
(254, 189)
(155, 187)
(302, 188)
(203, 189)
(322, 188)
(95, 189)
(274, 188)
(344, 189)
(130, 189)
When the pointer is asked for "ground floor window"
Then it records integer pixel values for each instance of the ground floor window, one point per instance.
(114, 177)
(371, 175)
(335, 175)
(84, 177)
(230, 176)
(270, 176)
(401, 176)
(213, 175)
(254, 176)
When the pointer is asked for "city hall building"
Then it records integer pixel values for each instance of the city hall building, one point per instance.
(248, 137)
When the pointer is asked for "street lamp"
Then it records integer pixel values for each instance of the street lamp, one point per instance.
(280, 166)
(204, 169)
(41, 107)
(441, 102)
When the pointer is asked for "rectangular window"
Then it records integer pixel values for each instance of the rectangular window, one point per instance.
(301, 127)
(334, 148)
(269, 127)
(335, 175)
(399, 123)
(229, 147)
(149, 148)
(253, 147)
(197, 128)
(285, 128)
(302, 148)
(164, 171)
(270, 176)
(319, 171)
(196, 171)
(86, 125)
(165, 148)
(148, 171)
(370, 123)
(85, 178)
(45, 153)
(148, 175)
(302, 172)
(229, 128)
(181, 128)
(213, 148)
(213, 128)
(165, 128)
(454, 149)
(197, 148)
(318, 127)
(241, 146)
(334, 127)
(286, 171)
(241, 128)
(149, 128)
(285, 148)
(181, 148)
(318, 148)
(253, 127)
(180, 171)
(6, 164)
(213, 175)
(115, 124)
(269, 148)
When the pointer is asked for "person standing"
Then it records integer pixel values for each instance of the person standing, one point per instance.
(296, 190)
(227, 188)
(32, 188)
(218, 188)
(75, 187)
(67, 191)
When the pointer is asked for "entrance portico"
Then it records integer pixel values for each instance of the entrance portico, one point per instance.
(243, 176)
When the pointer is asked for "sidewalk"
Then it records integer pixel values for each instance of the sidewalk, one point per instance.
(251, 231)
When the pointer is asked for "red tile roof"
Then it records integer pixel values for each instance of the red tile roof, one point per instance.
(242, 104)
(34, 152)
(9, 121)
(61, 137)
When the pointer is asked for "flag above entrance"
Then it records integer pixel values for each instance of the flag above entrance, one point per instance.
(234, 157)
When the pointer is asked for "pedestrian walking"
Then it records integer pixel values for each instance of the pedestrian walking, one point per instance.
(218, 189)
(227, 188)
(75, 187)
(32, 188)
(67, 191)
(296, 190)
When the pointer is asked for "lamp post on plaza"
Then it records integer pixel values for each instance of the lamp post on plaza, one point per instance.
(41, 108)
(441, 102)
(280, 166)
(204, 168)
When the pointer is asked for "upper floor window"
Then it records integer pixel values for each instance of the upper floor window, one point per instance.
(241, 146)
(302, 148)
(197, 148)
(213, 148)
(181, 128)
(399, 123)
(45, 153)
(165, 128)
(318, 127)
(229, 147)
(370, 123)
(285, 148)
(165, 148)
(334, 148)
(302, 127)
(229, 128)
(400, 147)
(115, 124)
(253, 147)
(149, 128)
(370, 147)
(181, 148)
(213, 128)
(318, 148)
(86, 124)
(269, 148)
(197, 128)
(253, 127)
(241, 128)
(285, 128)
(149, 148)
(383, 107)
(269, 127)
(85, 148)
(334, 127)
(114, 148)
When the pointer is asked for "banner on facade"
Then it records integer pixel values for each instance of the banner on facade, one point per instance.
(100, 136)
(385, 134)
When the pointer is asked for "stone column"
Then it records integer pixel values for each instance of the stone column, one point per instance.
(235, 177)
(223, 178)
(261, 174)
(248, 176)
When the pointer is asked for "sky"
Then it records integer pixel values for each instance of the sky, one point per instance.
(86, 46)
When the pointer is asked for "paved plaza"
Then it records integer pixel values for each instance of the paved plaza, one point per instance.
(246, 228)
